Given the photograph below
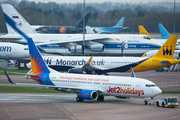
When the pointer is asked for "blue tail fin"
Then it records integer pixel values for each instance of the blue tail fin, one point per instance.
(37, 62)
(120, 23)
(132, 72)
(163, 32)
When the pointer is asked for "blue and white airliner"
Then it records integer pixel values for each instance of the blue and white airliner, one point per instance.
(65, 44)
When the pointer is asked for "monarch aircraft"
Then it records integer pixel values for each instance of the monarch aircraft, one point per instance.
(78, 28)
(103, 65)
(92, 87)
(64, 44)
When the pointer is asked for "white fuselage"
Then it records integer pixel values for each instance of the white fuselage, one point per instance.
(109, 85)
(13, 51)
(134, 45)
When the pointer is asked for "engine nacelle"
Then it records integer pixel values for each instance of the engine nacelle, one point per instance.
(97, 48)
(76, 71)
(77, 49)
(88, 94)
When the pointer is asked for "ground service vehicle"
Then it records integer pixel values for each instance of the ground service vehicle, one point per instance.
(167, 102)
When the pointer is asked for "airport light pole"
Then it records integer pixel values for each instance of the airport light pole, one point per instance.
(174, 18)
(43, 12)
(84, 28)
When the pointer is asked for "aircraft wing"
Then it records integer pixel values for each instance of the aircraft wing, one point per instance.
(70, 39)
(88, 66)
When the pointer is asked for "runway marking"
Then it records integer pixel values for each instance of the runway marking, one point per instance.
(168, 84)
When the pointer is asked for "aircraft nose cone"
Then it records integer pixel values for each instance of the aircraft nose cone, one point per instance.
(157, 91)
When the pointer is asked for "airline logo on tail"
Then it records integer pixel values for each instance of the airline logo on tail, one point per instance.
(164, 34)
(15, 17)
(167, 51)
(120, 24)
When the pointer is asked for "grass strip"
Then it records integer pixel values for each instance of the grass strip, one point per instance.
(17, 89)
(170, 92)
(12, 70)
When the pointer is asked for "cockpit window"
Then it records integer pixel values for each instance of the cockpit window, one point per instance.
(150, 85)
(146, 37)
(26, 49)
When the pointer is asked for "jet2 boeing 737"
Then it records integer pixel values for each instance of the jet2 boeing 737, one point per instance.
(92, 87)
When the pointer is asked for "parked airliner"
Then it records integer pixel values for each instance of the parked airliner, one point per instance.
(113, 29)
(102, 65)
(92, 87)
(13, 51)
(96, 44)
(163, 32)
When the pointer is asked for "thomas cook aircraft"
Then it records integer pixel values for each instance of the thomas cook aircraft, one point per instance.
(92, 87)
(163, 32)
(113, 29)
(64, 44)
(103, 65)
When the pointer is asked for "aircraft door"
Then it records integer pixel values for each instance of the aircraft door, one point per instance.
(15, 50)
(149, 63)
(138, 86)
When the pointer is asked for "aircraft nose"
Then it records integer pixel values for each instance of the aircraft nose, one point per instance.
(157, 91)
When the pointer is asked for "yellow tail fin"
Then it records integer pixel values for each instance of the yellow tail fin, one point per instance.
(167, 50)
(143, 31)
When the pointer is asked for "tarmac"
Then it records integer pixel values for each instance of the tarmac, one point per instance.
(28, 106)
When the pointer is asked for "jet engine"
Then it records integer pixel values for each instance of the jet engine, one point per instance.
(88, 94)
(77, 49)
(97, 48)
(76, 71)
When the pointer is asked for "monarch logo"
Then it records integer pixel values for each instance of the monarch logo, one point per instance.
(167, 51)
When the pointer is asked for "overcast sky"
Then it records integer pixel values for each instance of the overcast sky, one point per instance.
(132, 1)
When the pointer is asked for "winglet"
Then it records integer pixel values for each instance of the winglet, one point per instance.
(143, 31)
(132, 72)
(163, 32)
(9, 79)
(89, 62)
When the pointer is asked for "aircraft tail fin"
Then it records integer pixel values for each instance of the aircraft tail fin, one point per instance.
(37, 62)
(163, 32)
(120, 23)
(143, 31)
(167, 50)
(89, 30)
(80, 23)
(11, 14)
(132, 72)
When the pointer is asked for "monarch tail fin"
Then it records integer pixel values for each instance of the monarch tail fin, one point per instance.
(143, 31)
(10, 13)
(163, 32)
(167, 50)
(120, 23)
(80, 23)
